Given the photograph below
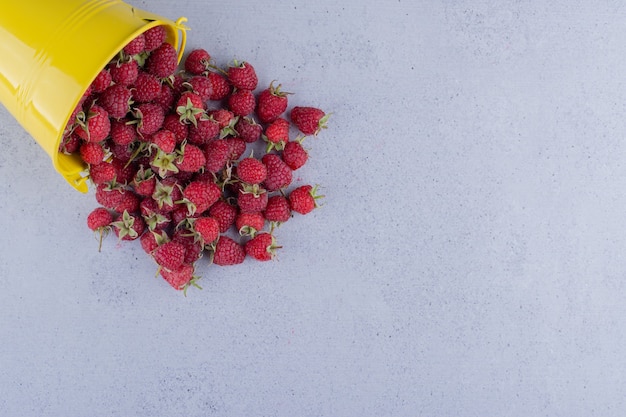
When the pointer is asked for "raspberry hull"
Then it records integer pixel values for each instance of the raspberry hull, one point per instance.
(174, 153)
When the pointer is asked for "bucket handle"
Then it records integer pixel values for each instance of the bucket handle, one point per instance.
(183, 35)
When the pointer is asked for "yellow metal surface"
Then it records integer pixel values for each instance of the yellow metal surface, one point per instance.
(51, 52)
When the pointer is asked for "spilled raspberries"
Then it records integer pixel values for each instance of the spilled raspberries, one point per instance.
(193, 162)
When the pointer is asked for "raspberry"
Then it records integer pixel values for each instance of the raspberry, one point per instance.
(236, 147)
(146, 88)
(202, 86)
(271, 104)
(95, 125)
(261, 247)
(162, 61)
(216, 154)
(241, 102)
(228, 252)
(302, 199)
(169, 255)
(122, 133)
(136, 46)
(242, 75)
(154, 37)
(277, 210)
(99, 220)
(116, 100)
(102, 81)
(251, 200)
(129, 226)
(224, 213)
(191, 159)
(200, 195)
(181, 278)
(309, 120)
(102, 173)
(294, 155)
(248, 130)
(92, 153)
(164, 140)
(173, 124)
(279, 175)
(221, 87)
(248, 224)
(197, 61)
(150, 118)
(276, 134)
(207, 229)
(252, 171)
(190, 107)
(124, 72)
(203, 131)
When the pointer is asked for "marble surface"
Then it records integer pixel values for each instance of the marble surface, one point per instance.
(468, 259)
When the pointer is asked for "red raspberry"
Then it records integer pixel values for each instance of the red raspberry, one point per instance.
(228, 252)
(154, 37)
(190, 107)
(197, 61)
(294, 155)
(102, 173)
(271, 104)
(236, 146)
(155, 219)
(252, 201)
(207, 229)
(149, 242)
(150, 118)
(248, 130)
(102, 81)
(146, 88)
(202, 86)
(251, 171)
(277, 209)
(144, 182)
(222, 116)
(279, 174)
(92, 153)
(302, 199)
(191, 159)
(122, 133)
(200, 195)
(136, 46)
(166, 193)
(124, 72)
(180, 279)
(166, 97)
(128, 201)
(121, 152)
(242, 76)
(216, 153)
(169, 255)
(224, 213)
(241, 102)
(108, 197)
(124, 172)
(221, 87)
(173, 124)
(99, 219)
(261, 247)
(277, 134)
(248, 224)
(129, 226)
(193, 248)
(116, 100)
(203, 131)
(164, 140)
(309, 120)
(95, 125)
(70, 144)
(163, 61)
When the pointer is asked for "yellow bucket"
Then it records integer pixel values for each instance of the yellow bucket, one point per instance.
(52, 51)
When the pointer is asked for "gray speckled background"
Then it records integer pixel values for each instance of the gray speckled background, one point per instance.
(469, 258)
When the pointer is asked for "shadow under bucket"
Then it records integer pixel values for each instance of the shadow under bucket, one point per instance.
(52, 51)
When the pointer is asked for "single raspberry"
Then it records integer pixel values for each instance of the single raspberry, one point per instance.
(149, 117)
(202, 86)
(277, 210)
(190, 107)
(163, 61)
(271, 103)
(124, 172)
(294, 154)
(116, 100)
(129, 226)
(166, 97)
(149, 242)
(173, 124)
(70, 143)
(166, 193)
(221, 86)
(216, 153)
(91, 153)
(102, 81)
(261, 247)
(197, 61)
(124, 71)
(242, 75)
(144, 182)
(224, 213)
(154, 37)
(102, 173)
(191, 158)
(200, 195)
(251, 170)
(94, 126)
(169, 255)
(248, 224)
(128, 201)
(252, 199)
(276, 134)
(303, 199)
(237, 148)
(206, 229)
(182, 278)
(309, 120)
(155, 218)
(279, 174)
(122, 133)
(223, 117)
(99, 220)
(228, 252)
(122, 152)
(165, 140)
(241, 102)
(108, 196)
(136, 46)
(146, 88)
(248, 130)
(203, 131)
(164, 164)
(193, 248)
